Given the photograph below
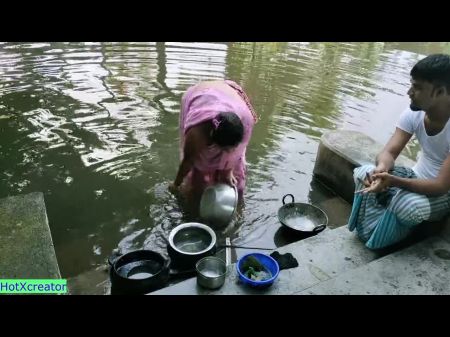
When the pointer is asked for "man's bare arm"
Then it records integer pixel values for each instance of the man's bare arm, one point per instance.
(431, 187)
(386, 158)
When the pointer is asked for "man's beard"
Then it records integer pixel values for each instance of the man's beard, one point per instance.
(414, 107)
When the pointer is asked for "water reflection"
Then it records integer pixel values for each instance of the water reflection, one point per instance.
(95, 127)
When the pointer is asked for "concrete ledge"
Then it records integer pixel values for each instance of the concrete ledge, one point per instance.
(338, 263)
(26, 247)
(339, 153)
(320, 258)
(422, 269)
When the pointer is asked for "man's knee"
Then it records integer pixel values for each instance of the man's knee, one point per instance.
(410, 207)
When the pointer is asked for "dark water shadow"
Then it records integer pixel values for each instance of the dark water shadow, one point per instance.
(284, 236)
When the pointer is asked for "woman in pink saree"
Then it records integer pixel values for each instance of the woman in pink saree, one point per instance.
(216, 123)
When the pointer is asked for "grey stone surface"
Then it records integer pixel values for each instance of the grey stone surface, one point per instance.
(320, 258)
(26, 246)
(423, 268)
(445, 234)
(357, 147)
(342, 151)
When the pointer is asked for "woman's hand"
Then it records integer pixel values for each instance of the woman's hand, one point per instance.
(227, 177)
(231, 179)
(173, 188)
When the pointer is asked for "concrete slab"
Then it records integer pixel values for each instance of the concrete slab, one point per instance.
(320, 258)
(26, 246)
(423, 268)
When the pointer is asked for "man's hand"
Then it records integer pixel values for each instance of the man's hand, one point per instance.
(367, 182)
(379, 182)
(379, 169)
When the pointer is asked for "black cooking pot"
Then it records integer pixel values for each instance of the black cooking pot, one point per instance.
(142, 271)
(302, 217)
(138, 272)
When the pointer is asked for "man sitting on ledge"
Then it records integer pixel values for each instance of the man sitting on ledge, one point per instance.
(390, 200)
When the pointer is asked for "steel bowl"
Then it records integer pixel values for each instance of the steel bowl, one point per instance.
(211, 272)
(218, 204)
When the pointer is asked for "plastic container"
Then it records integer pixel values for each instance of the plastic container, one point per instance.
(269, 264)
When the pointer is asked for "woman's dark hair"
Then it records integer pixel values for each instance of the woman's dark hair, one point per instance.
(228, 129)
(434, 69)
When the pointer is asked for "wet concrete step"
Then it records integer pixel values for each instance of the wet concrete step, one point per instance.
(423, 268)
(320, 258)
(26, 246)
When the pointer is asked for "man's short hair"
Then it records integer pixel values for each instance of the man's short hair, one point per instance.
(435, 69)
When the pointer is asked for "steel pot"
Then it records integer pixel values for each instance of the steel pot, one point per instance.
(190, 242)
(211, 272)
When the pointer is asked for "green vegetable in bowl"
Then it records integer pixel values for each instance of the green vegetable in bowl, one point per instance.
(255, 270)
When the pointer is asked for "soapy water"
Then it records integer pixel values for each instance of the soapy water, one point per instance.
(302, 223)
